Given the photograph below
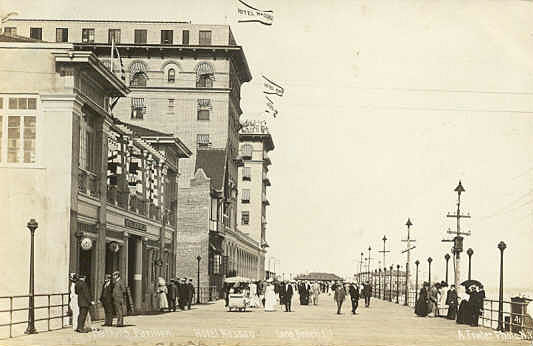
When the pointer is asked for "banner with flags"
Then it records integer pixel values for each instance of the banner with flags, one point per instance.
(250, 14)
(272, 88)
(270, 107)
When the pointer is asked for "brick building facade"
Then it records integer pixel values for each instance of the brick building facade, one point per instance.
(185, 79)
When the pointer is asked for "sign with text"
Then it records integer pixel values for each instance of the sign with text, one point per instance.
(250, 14)
(272, 88)
(135, 225)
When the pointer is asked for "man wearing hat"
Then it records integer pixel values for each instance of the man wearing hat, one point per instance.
(190, 293)
(182, 293)
(118, 298)
(171, 289)
(354, 296)
(107, 300)
(84, 301)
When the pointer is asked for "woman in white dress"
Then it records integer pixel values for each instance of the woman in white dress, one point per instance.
(74, 301)
(270, 298)
(162, 292)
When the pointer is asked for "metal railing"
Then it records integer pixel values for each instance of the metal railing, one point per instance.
(512, 321)
(48, 308)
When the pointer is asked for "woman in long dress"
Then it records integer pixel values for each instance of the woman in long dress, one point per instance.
(270, 298)
(73, 304)
(162, 292)
(253, 295)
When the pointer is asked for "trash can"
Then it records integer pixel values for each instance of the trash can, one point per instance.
(518, 311)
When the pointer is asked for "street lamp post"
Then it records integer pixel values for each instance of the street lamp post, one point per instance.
(429, 262)
(361, 267)
(469, 252)
(502, 247)
(417, 262)
(397, 284)
(379, 283)
(198, 258)
(447, 258)
(32, 226)
(390, 288)
(406, 303)
(385, 283)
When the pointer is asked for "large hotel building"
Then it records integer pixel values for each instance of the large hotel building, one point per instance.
(185, 80)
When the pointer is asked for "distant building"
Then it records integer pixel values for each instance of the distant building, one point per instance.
(102, 191)
(185, 79)
(255, 144)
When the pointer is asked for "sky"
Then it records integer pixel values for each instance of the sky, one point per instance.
(388, 104)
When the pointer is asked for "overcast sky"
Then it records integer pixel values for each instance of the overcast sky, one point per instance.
(388, 105)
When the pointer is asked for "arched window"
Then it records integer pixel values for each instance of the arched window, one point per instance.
(171, 75)
(138, 80)
(204, 75)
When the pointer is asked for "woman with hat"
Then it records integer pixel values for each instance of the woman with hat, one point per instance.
(73, 304)
(162, 293)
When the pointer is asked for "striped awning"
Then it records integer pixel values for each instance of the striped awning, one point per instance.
(137, 67)
(137, 102)
(204, 68)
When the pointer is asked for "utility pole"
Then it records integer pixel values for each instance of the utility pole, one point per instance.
(384, 251)
(408, 250)
(458, 239)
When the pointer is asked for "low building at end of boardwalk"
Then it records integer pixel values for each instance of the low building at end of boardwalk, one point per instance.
(104, 192)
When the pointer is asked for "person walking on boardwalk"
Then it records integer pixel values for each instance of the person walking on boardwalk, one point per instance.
(434, 295)
(421, 307)
(162, 294)
(118, 298)
(171, 295)
(289, 291)
(367, 292)
(339, 296)
(190, 294)
(354, 296)
(182, 293)
(281, 293)
(451, 301)
(106, 297)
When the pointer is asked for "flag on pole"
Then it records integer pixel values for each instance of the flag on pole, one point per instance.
(250, 14)
(272, 88)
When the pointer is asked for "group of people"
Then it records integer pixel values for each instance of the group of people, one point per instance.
(355, 291)
(177, 292)
(309, 292)
(467, 312)
(112, 299)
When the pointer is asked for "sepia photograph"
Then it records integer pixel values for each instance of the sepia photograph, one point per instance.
(266, 172)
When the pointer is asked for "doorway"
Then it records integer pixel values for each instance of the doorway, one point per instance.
(86, 265)
(112, 258)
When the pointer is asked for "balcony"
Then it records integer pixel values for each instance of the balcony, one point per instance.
(88, 183)
(266, 159)
(265, 199)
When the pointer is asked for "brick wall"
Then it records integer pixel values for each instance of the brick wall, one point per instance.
(193, 229)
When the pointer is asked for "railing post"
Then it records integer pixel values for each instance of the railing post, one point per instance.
(406, 303)
(502, 247)
(10, 317)
(390, 288)
(49, 312)
(62, 310)
(417, 262)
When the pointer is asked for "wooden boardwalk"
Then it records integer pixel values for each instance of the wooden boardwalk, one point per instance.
(383, 323)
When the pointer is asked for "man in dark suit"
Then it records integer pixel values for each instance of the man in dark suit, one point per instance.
(171, 295)
(84, 301)
(107, 300)
(354, 296)
(281, 292)
(182, 294)
(367, 292)
(190, 293)
(288, 296)
(118, 298)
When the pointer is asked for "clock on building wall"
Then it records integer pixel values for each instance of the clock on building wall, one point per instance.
(86, 244)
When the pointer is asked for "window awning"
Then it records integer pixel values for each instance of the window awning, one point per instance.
(137, 67)
(137, 102)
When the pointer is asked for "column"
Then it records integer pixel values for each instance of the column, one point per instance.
(137, 275)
